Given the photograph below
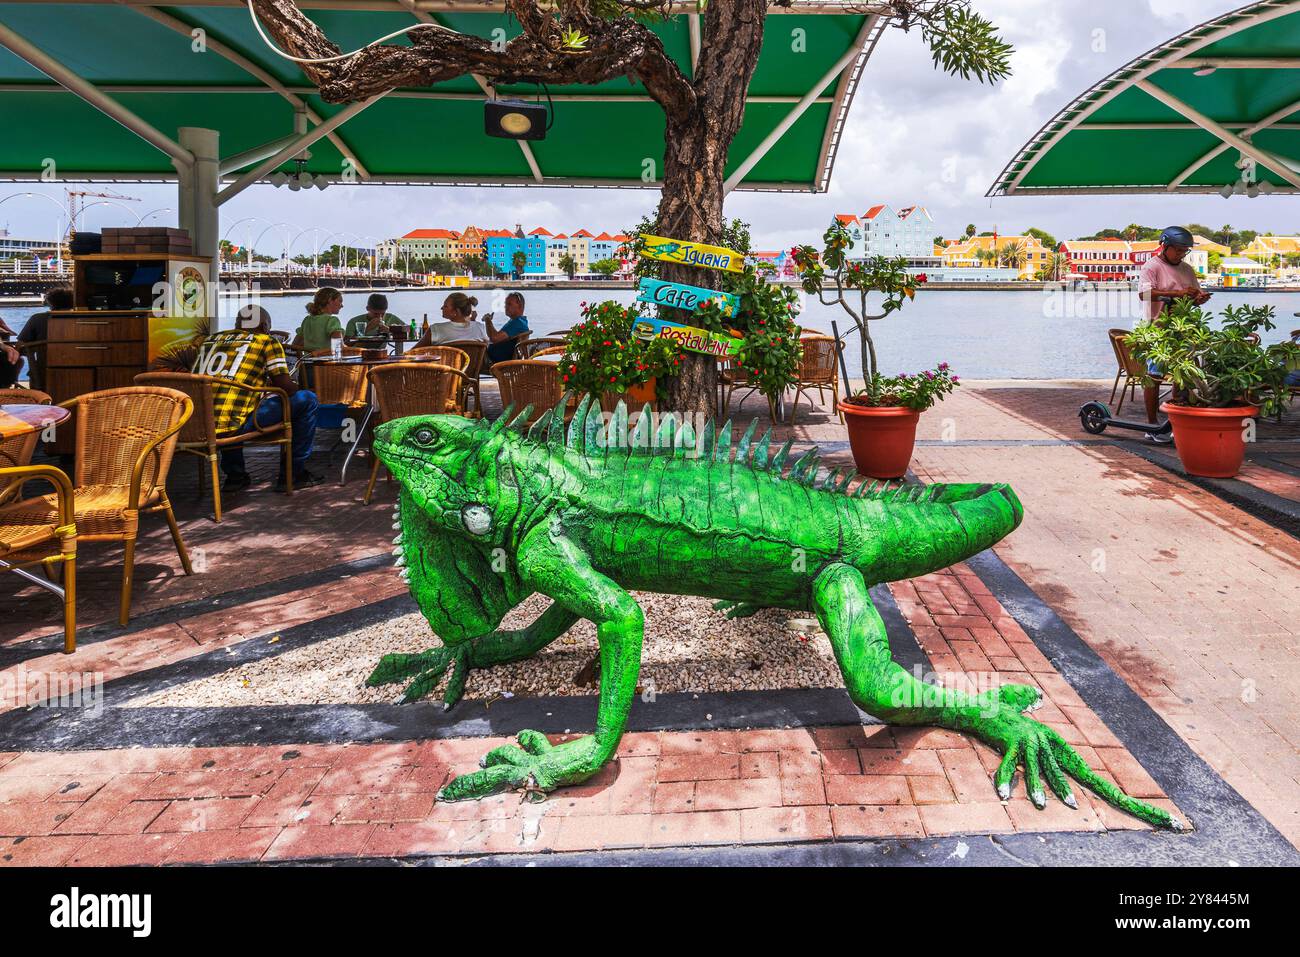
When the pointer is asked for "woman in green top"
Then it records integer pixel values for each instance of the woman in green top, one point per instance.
(375, 321)
(321, 321)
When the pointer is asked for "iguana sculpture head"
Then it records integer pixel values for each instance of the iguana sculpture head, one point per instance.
(443, 462)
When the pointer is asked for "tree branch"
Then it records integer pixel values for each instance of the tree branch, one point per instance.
(618, 46)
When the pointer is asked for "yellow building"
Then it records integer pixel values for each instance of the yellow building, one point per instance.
(962, 253)
(1272, 250)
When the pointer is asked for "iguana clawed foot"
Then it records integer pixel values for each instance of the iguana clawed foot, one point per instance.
(1045, 755)
(536, 765)
(427, 668)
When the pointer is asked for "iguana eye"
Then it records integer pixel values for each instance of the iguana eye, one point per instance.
(425, 437)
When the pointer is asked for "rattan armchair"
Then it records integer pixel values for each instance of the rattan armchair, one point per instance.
(452, 356)
(1130, 370)
(48, 538)
(818, 369)
(550, 351)
(414, 388)
(199, 436)
(525, 382)
(533, 346)
(18, 450)
(477, 352)
(732, 377)
(124, 444)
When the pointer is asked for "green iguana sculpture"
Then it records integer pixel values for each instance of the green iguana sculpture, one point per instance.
(488, 515)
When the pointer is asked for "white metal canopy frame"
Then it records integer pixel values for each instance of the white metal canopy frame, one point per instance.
(239, 171)
(1254, 38)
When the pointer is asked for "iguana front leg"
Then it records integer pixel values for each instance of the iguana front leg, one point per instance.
(555, 566)
(494, 648)
(884, 690)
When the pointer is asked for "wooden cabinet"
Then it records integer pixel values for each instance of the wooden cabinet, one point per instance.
(89, 348)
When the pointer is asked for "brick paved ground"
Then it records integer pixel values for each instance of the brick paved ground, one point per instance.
(1192, 602)
(174, 805)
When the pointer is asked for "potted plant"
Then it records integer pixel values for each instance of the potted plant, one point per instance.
(602, 357)
(881, 418)
(1221, 375)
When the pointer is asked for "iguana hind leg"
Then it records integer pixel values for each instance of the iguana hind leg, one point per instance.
(494, 648)
(555, 566)
(884, 690)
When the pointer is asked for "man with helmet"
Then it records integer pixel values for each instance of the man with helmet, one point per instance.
(1164, 277)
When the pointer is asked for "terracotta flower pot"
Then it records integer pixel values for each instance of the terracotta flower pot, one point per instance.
(882, 439)
(636, 396)
(1210, 441)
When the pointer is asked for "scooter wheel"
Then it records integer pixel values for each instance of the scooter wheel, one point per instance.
(1093, 418)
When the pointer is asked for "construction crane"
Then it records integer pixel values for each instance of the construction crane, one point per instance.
(75, 195)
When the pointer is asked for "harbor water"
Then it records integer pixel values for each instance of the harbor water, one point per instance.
(983, 334)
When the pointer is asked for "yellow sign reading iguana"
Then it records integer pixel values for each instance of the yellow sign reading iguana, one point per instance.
(692, 254)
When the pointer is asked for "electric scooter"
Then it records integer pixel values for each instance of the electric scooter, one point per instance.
(1096, 418)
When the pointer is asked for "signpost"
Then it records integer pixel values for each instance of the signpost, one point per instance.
(692, 254)
(680, 296)
(716, 344)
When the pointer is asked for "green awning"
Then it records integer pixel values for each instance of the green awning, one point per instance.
(143, 56)
(1191, 116)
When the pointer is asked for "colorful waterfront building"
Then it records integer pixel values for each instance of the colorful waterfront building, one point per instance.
(500, 246)
(909, 233)
(468, 242)
(428, 243)
(557, 247)
(580, 249)
(1100, 260)
(1272, 250)
(965, 253)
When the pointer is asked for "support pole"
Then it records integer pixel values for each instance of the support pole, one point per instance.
(197, 192)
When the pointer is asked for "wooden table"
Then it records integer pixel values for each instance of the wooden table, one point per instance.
(18, 420)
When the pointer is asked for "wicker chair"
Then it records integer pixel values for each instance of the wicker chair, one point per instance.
(44, 537)
(529, 382)
(414, 388)
(732, 377)
(199, 437)
(124, 444)
(477, 352)
(550, 351)
(817, 370)
(1130, 370)
(18, 450)
(458, 359)
(533, 346)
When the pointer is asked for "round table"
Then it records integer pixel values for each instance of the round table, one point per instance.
(18, 420)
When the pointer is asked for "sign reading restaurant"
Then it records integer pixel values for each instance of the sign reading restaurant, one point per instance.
(688, 337)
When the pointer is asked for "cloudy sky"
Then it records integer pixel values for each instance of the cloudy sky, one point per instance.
(915, 136)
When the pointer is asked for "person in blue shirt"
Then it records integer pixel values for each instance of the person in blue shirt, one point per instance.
(502, 341)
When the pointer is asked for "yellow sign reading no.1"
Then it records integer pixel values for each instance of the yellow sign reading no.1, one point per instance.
(692, 254)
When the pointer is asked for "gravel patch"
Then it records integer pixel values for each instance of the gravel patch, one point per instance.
(688, 647)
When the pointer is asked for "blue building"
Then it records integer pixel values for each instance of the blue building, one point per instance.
(500, 246)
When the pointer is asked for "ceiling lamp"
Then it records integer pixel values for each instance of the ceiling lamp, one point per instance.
(1206, 70)
(516, 119)
(299, 178)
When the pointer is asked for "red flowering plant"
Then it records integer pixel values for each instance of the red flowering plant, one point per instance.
(603, 355)
(850, 283)
(765, 324)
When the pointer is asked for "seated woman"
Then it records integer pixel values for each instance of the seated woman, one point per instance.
(321, 321)
(375, 321)
(462, 322)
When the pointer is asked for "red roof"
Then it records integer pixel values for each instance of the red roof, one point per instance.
(432, 234)
(497, 233)
(559, 236)
(605, 237)
(583, 232)
(846, 217)
(873, 212)
(540, 231)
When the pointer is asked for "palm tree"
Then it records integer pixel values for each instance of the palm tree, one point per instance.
(1014, 255)
(568, 265)
(520, 261)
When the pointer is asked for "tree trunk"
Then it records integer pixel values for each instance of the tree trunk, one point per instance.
(696, 142)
